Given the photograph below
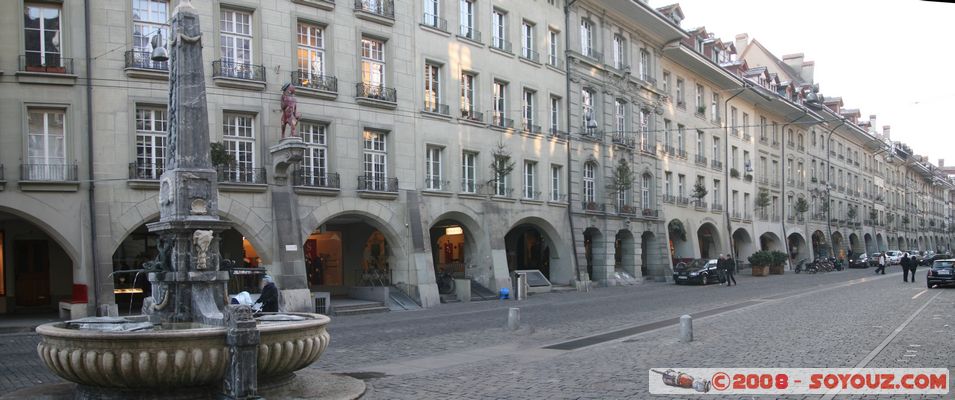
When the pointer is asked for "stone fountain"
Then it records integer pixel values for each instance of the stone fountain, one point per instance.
(189, 342)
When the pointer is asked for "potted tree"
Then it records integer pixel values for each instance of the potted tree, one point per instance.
(734, 172)
(621, 182)
(763, 201)
(699, 192)
(501, 167)
(760, 262)
(801, 207)
(777, 260)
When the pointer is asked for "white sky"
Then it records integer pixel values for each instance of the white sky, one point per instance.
(888, 58)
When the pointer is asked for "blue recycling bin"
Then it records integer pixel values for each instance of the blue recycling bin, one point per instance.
(504, 294)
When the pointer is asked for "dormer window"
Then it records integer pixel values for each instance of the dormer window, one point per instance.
(716, 55)
(699, 45)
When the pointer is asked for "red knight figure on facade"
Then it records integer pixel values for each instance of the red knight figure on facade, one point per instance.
(290, 114)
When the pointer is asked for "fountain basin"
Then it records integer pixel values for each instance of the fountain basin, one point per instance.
(175, 358)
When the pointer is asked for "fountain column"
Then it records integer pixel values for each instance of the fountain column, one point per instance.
(187, 285)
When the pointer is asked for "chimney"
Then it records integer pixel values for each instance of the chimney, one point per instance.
(742, 40)
(807, 70)
(795, 62)
(885, 131)
(941, 162)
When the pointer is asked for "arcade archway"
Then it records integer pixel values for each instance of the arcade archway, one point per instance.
(594, 252)
(743, 243)
(768, 241)
(880, 242)
(820, 247)
(798, 249)
(529, 247)
(623, 254)
(838, 245)
(709, 239)
(351, 250)
(679, 245)
(869, 243)
(855, 245)
(36, 272)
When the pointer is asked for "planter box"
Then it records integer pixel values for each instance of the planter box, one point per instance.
(776, 270)
(760, 270)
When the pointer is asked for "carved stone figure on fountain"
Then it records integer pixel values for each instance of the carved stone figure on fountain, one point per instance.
(290, 114)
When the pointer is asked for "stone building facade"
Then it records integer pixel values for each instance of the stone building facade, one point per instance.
(472, 137)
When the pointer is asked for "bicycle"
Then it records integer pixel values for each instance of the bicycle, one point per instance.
(445, 281)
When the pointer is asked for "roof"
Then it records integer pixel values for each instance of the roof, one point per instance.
(779, 63)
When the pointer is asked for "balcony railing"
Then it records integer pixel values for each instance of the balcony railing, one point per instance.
(683, 201)
(48, 172)
(681, 153)
(529, 127)
(376, 92)
(701, 160)
(143, 60)
(775, 183)
(435, 22)
(384, 8)
(716, 207)
(436, 183)
(371, 183)
(623, 139)
(498, 120)
(764, 140)
(236, 70)
(716, 164)
(307, 80)
(554, 132)
(736, 215)
(593, 206)
(501, 44)
(763, 181)
(667, 149)
(436, 108)
(241, 175)
(532, 195)
(329, 180)
(470, 186)
(648, 147)
(1, 173)
(470, 33)
(650, 213)
(699, 204)
(51, 64)
(529, 54)
(747, 216)
(670, 199)
(625, 209)
(471, 115)
(593, 53)
(146, 172)
(555, 61)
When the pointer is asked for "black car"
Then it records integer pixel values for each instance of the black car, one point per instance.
(701, 271)
(935, 257)
(942, 273)
(859, 261)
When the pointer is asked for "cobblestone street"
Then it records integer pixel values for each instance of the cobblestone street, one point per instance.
(462, 351)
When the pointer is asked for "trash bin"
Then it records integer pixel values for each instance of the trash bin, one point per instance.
(520, 286)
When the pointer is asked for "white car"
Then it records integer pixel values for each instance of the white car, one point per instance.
(893, 257)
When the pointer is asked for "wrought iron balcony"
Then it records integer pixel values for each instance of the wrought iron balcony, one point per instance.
(143, 60)
(699, 204)
(670, 199)
(236, 70)
(716, 207)
(48, 172)
(436, 183)
(50, 63)
(650, 213)
(735, 215)
(532, 195)
(593, 53)
(376, 92)
(329, 180)
(716, 164)
(529, 127)
(382, 8)
(371, 183)
(623, 139)
(681, 153)
(472, 115)
(498, 120)
(667, 149)
(593, 206)
(501, 44)
(145, 172)
(436, 108)
(434, 21)
(499, 192)
(307, 80)
(529, 54)
(683, 201)
(554, 132)
(469, 32)
(241, 175)
(555, 61)
(701, 160)
(648, 146)
(625, 209)
(470, 186)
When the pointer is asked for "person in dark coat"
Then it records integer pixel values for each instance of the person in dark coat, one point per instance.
(906, 264)
(726, 264)
(270, 295)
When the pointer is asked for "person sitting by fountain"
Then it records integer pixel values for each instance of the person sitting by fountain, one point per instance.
(269, 296)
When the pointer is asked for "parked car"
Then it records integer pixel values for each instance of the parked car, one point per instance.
(893, 257)
(935, 257)
(859, 261)
(700, 271)
(917, 254)
(942, 273)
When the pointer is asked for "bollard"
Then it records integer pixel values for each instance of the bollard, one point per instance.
(513, 318)
(520, 286)
(686, 329)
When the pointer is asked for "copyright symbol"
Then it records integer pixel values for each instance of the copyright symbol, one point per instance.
(720, 381)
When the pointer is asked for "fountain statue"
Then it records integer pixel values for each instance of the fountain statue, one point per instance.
(189, 342)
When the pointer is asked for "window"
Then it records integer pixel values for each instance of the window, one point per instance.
(747, 166)
(499, 31)
(734, 159)
(716, 192)
(150, 141)
(644, 65)
(238, 133)
(530, 180)
(431, 13)
(500, 105)
(645, 139)
(467, 20)
(467, 94)
(587, 103)
(620, 116)
(734, 126)
(618, 52)
(700, 107)
(668, 184)
(311, 52)
(527, 41)
(680, 138)
(315, 164)
(432, 88)
(775, 133)
(746, 203)
(375, 161)
(553, 53)
(587, 38)
(716, 148)
(590, 194)
(373, 62)
(735, 203)
(645, 191)
(432, 168)
(468, 172)
(500, 179)
(762, 128)
(681, 186)
(746, 126)
(554, 115)
(236, 43)
(150, 18)
(666, 83)
(680, 92)
(715, 106)
(42, 35)
(555, 174)
(528, 110)
(46, 144)
(700, 141)
(667, 139)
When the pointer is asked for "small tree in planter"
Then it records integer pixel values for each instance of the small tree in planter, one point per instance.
(801, 206)
(873, 216)
(762, 201)
(851, 213)
(501, 167)
(621, 181)
(701, 110)
(760, 262)
(734, 172)
(777, 262)
(699, 192)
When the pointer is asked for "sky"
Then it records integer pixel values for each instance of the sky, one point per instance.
(891, 58)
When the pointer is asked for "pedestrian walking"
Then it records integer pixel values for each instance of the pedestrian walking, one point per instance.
(906, 264)
(915, 264)
(728, 267)
(881, 264)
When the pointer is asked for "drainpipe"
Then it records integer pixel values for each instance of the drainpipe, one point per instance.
(828, 183)
(783, 220)
(89, 149)
(570, 202)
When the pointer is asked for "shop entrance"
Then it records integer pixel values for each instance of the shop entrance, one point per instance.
(347, 252)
